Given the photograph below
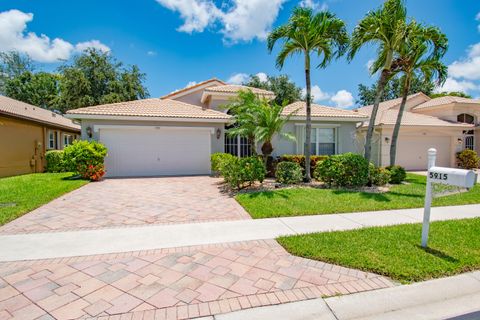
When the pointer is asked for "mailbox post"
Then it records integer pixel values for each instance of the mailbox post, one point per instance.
(449, 176)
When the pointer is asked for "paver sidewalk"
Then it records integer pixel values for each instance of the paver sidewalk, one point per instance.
(103, 241)
(456, 297)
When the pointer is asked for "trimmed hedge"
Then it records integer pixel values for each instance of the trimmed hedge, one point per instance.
(343, 170)
(242, 172)
(378, 176)
(288, 173)
(54, 160)
(397, 174)
(300, 160)
(217, 160)
(86, 158)
(468, 159)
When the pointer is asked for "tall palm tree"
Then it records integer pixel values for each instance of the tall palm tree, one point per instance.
(385, 27)
(307, 33)
(419, 55)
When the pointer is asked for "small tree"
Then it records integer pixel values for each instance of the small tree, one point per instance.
(286, 91)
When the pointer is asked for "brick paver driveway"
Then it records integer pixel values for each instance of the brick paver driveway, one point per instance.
(127, 202)
(171, 283)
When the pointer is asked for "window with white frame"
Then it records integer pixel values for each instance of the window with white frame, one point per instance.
(323, 141)
(52, 139)
(67, 139)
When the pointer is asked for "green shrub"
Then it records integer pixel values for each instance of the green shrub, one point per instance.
(300, 159)
(288, 173)
(85, 158)
(378, 176)
(397, 174)
(54, 160)
(217, 160)
(343, 170)
(242, 172)
(468, 159)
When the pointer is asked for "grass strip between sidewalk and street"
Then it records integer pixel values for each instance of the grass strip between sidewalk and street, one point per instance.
(395, 251)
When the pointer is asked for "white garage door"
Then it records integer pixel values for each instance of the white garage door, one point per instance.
(412, 151)
(156, 151)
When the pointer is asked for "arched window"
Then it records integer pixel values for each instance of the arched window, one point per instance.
(466, 118)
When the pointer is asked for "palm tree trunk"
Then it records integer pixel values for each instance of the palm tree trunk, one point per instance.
(308, 126)
(382, 81)
(253, 145)
(396, 129)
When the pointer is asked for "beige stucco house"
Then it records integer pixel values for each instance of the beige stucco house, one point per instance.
(449, 124)
(27, 132)
(177, 133)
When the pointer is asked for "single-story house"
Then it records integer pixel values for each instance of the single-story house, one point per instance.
(449, 124)
(177, 133)
(27, 132)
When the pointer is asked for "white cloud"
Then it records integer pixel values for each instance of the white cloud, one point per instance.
(13, 37)
(242, 20)
(468, 68)
(262, 76)
(343, 99)
(151, 53)
(92, 44)
(317, 94)
(240, 78)
(478, 19)
(452, 85)
(190, 84)
(314, 5)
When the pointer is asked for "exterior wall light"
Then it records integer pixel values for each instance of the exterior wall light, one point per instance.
(89, 132)
(218, 132)
(387, 140)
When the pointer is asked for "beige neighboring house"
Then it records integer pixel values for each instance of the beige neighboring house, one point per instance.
(27, 132)
(449, 124)
(177, 133)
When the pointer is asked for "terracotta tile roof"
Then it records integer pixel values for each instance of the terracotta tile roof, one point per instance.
(389, 117)
(156, 107)
(299, 109)
(27, 111)
(174, 93)
(389, 104)
(446, 100)
(234, 88)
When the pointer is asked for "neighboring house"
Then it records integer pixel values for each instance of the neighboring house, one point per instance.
(176, 134)
(27, 132)
(449, 124)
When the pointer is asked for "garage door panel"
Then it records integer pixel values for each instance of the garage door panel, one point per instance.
(412, 151)
(156, 152)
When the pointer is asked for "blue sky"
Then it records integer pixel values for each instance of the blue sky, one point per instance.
(176, 42)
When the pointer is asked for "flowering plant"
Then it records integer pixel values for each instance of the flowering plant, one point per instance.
(93, 172)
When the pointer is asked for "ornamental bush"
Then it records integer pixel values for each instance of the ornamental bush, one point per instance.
(288, 173)
(378, 176)
(343, 170)
(217, 160)
(300, 160)
(468, 159)
(86, 158)
(397, 174)
(54, 160)
(239, 173)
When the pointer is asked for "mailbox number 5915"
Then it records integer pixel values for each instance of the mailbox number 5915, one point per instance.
(438, 176)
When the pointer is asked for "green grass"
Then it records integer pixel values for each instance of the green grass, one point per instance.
(21, 194)
(454, 247)
(307, 201)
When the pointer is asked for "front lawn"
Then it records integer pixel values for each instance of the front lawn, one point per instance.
(21, 194)
(307, 201)
(454, 247)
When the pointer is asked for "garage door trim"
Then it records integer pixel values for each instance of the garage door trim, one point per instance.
(97, 128)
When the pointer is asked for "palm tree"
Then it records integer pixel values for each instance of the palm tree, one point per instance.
(385, 27)
(270, 122)
(419, 55)
(310, 33)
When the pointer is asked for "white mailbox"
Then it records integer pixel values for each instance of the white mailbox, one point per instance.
(453, 177)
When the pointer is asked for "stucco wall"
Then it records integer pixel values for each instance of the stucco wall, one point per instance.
(217, 144)
(345, 137)
(451, 112)
(23, 146)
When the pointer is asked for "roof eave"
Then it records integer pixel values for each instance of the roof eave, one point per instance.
(146, 118)
(47, 123)
(314, 118)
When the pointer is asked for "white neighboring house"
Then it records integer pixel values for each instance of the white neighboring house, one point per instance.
(449, 124)
(177, 133)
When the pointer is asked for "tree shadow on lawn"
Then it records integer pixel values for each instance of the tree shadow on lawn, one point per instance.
(266, 194)
(438, 254)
